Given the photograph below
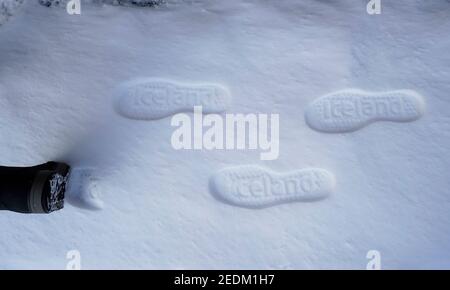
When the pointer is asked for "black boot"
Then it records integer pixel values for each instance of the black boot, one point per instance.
(36, 189)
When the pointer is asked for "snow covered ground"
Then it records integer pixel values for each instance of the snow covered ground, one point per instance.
(147, 205)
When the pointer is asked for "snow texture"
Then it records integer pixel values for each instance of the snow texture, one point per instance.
(350, 110)
(8, 8)
(154, 206)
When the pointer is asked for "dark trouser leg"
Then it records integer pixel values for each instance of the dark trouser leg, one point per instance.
(36, 189)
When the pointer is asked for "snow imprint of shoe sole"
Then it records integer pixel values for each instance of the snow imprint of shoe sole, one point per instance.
(349, 110)
(256, 187)
(151, 99)
(83, 190)
(138, 3)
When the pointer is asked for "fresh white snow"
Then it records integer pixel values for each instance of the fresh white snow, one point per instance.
(152, 206)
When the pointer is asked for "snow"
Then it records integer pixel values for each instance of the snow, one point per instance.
(8, 8)
(59, 74)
